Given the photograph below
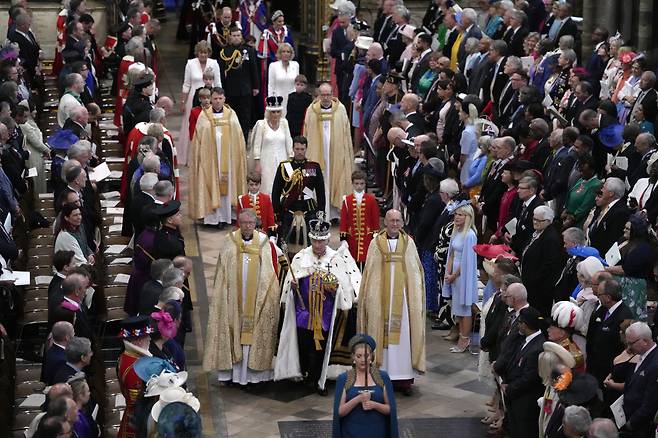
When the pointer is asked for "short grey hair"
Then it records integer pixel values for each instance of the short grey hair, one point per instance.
(402, 11)
(470, 14)
(508, 142)
(450, 187)
(170, 293)
(577, 418)
(71, 79)
(545, 213)
(151, 163)
(518, 291)
(156, 115)
(515, 63)
(22, 19)
(641, 329)
(531, 182)
(135, 43)
(518, 15)
(172, 277)
(508, 279)
(151, 142)
(575, 235)
(570, 55)
(164, 188)
(78, 148)
(77, 348)
(148, 181)
(62, 330)
(616, 186)
(158, 267)
(603, 428)
(566, 42)
(471, 45)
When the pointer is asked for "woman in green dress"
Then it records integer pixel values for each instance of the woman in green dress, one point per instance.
(582, 195)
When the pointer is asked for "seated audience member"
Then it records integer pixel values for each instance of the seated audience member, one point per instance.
(71, 235)
(78, 356)
(62, 333)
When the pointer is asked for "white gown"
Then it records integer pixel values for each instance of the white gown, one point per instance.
(271, 147)
(192, 82)
(281, 82)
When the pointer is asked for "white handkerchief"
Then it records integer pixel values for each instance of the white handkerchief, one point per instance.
(32, 172)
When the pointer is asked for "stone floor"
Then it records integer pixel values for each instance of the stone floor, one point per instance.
(450, 388)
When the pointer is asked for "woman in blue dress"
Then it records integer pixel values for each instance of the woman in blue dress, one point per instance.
(460, 281)
(364, 405)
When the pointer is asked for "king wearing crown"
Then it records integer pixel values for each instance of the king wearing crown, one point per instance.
(318, 292)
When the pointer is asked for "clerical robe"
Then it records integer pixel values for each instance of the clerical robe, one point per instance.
(330, 144)
(359, 221)
(392, 305)
(218, 166)
(298, 308)
(244, 312)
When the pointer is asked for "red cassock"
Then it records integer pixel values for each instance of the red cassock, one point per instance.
(263, 209)
(61, 41)
(194, 116)
(122, 91)
(358, 223)
(131, 149)
(131, 386)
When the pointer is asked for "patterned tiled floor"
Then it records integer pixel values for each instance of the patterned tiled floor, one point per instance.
(450, 388)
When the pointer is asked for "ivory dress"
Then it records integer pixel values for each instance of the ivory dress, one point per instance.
(281, 81)
(193, 80)
(271, 147)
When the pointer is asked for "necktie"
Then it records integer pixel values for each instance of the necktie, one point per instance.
(607, 314)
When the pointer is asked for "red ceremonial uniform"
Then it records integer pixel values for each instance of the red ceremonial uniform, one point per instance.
(122, 91)
(61, 40)
(358, 223)
(262, 207)
(131, 386)
(194, 116)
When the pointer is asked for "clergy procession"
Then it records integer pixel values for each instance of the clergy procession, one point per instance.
(443, 214)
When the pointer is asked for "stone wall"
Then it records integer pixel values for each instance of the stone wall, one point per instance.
(44, 19)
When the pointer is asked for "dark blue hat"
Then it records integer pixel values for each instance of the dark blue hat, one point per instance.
(362, 338)
(179, 420)
(612, 136)
(62, 140)
(147, 367)
(167, 209)
(586, 251)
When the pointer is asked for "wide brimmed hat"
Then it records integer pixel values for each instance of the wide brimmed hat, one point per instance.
(135, 327)
(274, 103)
(158, 384)
(565, 357)
(62, 140)
(583, 389)
(178, 419)
(489, 251)
(363, 42)
(319, 228)
(409, 31)
(174, 395)
(612, 136)
(167, 209)
(149, 367)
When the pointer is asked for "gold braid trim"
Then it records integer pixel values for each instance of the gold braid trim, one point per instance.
(296, 178)
(233, 62)
(373, 371)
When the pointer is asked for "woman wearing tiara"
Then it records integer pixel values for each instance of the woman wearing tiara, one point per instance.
(271, 142)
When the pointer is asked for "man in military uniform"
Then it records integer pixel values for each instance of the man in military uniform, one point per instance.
(218, 32)
(239, 69)
(169, 242)
(297, 194)
(138, 106)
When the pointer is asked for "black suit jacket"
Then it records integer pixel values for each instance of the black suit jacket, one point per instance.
(478, 75)
(79, 319)
(77, 129)
(29, 48)
(419, 71)
(149, 296)
(541, 264)
(640, 389)
(493, 327)
(524, 228)
(610, 229)
(603, 341)
(64, 372)
(640, 170)
(569, 27)
(242, 80)
(498, 79)
(52, 360)
(491, 193)
(515, 42)
(417, 120)
(140, 211)
(55, 292)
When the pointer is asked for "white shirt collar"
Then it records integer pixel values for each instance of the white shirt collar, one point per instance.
(527, 202)
(63, 347)
(614, 307)
(644, 356)
(422, 55)
(530, 338)
(60, 275)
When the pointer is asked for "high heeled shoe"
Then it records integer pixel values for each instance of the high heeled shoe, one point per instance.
(458, 349)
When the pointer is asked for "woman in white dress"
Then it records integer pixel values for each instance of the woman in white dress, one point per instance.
(193, 80)
(272, 143)
(281, 75)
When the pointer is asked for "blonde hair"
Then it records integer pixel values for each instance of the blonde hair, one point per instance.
(287, 46)
(469, 223)
(202, 46)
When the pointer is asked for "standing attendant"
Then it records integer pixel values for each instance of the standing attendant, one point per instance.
(270, 41)
(194, 70)
(359, 218)
(282, 73)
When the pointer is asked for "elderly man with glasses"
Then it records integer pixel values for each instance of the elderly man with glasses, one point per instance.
(605, 224)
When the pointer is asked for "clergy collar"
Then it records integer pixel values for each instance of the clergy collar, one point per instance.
(326, 108)
(218, 112)
(389, 237)
(247, 239)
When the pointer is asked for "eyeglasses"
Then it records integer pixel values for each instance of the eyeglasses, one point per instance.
(534, 219)
(630, 343)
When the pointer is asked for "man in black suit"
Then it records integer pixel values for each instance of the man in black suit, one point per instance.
(645, 147)
(141, 204)
(609, 216)
(240, 77)
(558, 168)
(562, 25)
(62, 262)
(641, 387)
(603, 341)
(415, 191)
(495, 78)
(13, 155)
(409, 106)
(522, 385)
(516, 34)
(384, 24)
(424, 47)
(77, 122)
(152, 288)
(542, 260)
(584, 93)
(71, 308)
(498, 318)
(509, 98)
(78, 356)
(596, 64)
(55, 356)
(516, 299)
(492, 186)
(342, 46)
(27, 43)
(646, 100)
(530, 200)
(478, 73)
(471, 30)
